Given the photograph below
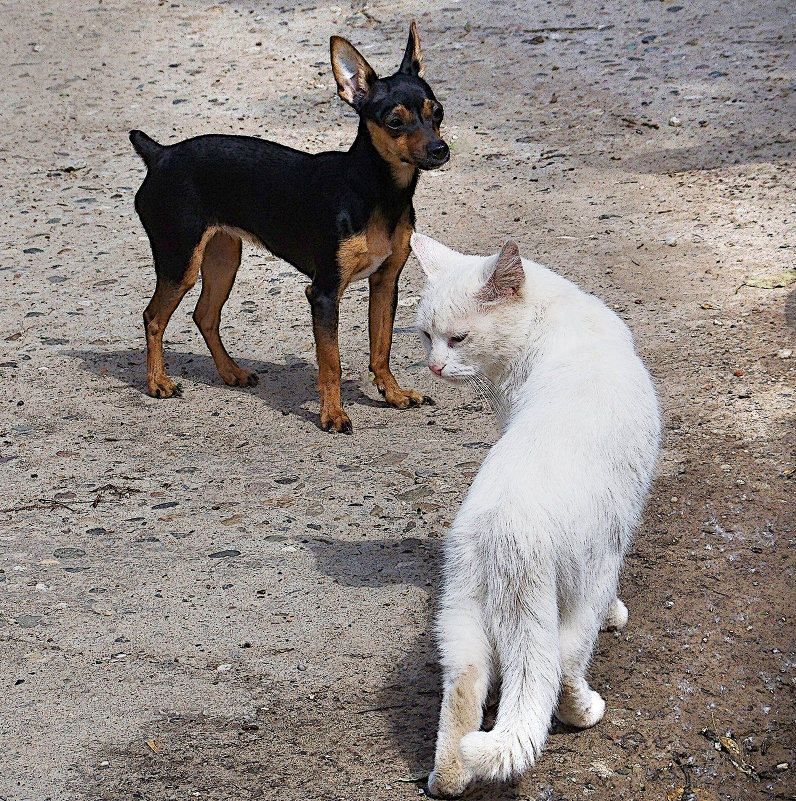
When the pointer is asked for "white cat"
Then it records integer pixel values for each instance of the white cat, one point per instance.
(533, 556)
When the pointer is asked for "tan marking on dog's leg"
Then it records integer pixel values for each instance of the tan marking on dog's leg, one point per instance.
(156, 317)
(381, 318)
(461, 713)
(328, 354)
(219, 266)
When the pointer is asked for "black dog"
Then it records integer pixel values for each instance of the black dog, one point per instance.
(335, 216)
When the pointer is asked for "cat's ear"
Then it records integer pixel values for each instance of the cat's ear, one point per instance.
(432, 255)
(507, 276)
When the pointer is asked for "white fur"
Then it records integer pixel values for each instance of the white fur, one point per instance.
(534, 554)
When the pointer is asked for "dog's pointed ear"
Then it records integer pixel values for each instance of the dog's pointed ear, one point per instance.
(507, 276)
(413, 57)
(353, 74)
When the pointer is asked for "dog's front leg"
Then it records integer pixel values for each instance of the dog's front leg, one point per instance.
(325, 302)
(383, 301)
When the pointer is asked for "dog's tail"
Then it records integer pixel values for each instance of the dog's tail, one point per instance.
(146, 146)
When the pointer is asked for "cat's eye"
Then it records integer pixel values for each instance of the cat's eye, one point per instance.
(455, 340)
(426, 334)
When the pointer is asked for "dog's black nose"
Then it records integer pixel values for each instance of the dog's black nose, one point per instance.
(438, 151)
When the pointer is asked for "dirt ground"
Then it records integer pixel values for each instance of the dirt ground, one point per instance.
(209, 597)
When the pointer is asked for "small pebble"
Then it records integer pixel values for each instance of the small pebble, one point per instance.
(68, 553)
(675, 122)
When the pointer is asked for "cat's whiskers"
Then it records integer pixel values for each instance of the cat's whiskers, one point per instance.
(489, 393)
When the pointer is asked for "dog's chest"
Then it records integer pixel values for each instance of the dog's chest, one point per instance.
(361, 255)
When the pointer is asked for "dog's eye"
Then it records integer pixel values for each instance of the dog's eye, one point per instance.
(455, 340)
(394, 123)
(438, 114)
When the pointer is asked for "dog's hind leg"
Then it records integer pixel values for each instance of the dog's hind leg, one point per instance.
(220, 263)
(168, 294)
(167, 297)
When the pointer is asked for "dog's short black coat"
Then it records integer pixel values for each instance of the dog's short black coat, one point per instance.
(335, 216)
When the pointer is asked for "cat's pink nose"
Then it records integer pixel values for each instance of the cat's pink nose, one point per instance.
(436, 369)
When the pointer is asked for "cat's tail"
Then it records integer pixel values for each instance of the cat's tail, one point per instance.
(526, 639)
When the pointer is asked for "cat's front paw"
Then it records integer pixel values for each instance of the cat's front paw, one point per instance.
(449, 780)
(580, 715)
(616, 619)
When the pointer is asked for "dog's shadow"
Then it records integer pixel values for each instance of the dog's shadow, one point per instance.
(286, 387)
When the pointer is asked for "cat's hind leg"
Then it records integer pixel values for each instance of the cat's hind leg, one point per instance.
(524, 624)
(578, 704)
(616, 618)
(466, 662)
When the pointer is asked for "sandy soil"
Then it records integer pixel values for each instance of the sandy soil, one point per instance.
(211, 598)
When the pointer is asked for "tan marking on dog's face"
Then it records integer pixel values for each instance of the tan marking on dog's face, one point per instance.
(433, 111)
(396, 151)
(403, 113)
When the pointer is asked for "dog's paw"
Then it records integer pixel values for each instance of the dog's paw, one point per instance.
(336, 420)
(403, 398)
(237, 377)
(163, 387)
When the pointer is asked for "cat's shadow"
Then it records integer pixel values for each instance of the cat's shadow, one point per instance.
(285, 387)
(410, 699)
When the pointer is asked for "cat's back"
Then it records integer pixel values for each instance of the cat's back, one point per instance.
(581, 347)
(577, 315)
(585, 413)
